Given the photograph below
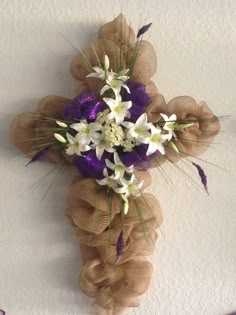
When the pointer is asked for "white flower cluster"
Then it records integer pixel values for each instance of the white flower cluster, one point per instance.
(120, 178)
(111, 130)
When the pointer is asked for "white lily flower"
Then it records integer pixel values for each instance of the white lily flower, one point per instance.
(88, 131)
(139, 130)
(119, 109)
(156, 140)
(170, 123)
(116, 82)
(109, 181)
(100, 73)
(102, 145)
(131, 187)
(119, 168)
(122, 75)
(75, 145)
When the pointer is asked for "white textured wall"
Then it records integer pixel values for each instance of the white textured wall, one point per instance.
(195, 259)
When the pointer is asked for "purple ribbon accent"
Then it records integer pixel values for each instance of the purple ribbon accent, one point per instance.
(90, 165)
(85, 106)
(140, 99)
(138, 157)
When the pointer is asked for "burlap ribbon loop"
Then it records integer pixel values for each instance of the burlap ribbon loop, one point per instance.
(113, 284)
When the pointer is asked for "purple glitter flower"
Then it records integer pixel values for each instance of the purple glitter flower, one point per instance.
(139, 99)
(85, 106)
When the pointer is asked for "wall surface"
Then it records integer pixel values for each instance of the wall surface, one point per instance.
(195, 258)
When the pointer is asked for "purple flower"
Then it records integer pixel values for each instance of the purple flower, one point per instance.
(85, 106)
(139, 99)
